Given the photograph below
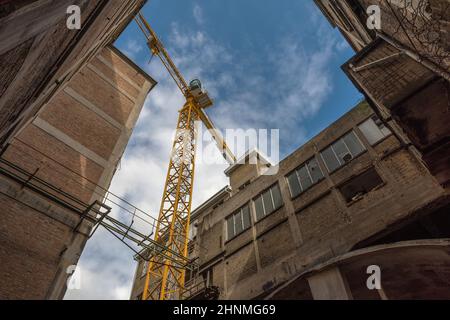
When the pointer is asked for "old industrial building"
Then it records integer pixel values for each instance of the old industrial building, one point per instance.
(68, 104)
(372, 189)
(402, 66)
(356, 195)
(369, 191)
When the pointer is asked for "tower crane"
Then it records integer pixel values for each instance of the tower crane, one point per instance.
(165, 279)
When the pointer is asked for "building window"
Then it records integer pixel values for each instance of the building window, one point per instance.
(374, 129)
(304, 177)
(208, 277)
(357, 187)
(342, 151)
(268, 202)
(238, 222)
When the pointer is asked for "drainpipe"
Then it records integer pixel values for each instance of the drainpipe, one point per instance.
(424, 61)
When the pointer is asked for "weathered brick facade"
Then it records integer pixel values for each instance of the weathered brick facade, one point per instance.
(39, 54)
(403, 68)
(319, 226)
(56, 166)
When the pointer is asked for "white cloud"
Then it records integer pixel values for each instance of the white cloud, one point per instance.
(198, 14)
(304, 80)
(342, 45)
(132, 48)
(106, 270)
(299, 85)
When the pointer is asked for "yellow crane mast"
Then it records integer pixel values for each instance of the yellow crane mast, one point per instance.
(165, 278)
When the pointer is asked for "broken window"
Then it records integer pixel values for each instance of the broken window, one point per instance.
(304, 177)
(342, 151)
(268, 202)
(314, 170)
(374, 129)
(357, 187)
(238, 222)
(208, 277)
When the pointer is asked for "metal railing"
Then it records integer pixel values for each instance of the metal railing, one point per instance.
(129, 224)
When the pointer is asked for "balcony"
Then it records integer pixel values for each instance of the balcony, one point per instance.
(386, 74)
(413, 95)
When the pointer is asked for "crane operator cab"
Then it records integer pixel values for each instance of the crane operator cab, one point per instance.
(200, 96)
(195, 86)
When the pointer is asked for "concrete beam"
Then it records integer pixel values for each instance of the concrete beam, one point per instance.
(329, 285)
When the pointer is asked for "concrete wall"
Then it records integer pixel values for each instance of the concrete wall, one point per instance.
(246, 170)
(75, 144)
(408, 270)
(413, 96)
(407, 71)
(243, 174)
(351, 23)
(421, 25)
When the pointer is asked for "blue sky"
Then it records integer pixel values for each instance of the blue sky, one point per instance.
(268, 65)
(256, 34)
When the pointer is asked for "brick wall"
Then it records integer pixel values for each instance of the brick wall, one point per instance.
(421, 26)
(319, 224)
(32, 241)
(74, 144)
(42, 54)
(390, 81)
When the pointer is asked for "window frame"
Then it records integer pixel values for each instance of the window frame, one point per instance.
(330, 146)
(232, 216)
(304, 164)
(384, 136)
(350, 202)
(260, 196)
